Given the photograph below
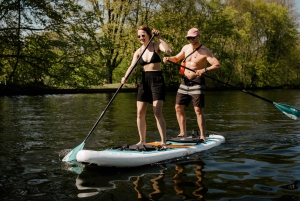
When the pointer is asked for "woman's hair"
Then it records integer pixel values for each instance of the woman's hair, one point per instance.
(145, 28)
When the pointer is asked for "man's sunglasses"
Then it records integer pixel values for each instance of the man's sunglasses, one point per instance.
(190, 38)
(143, 36)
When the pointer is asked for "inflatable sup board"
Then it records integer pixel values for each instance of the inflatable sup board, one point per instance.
(134, 155)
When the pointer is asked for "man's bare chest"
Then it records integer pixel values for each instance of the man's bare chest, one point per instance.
(196, 57)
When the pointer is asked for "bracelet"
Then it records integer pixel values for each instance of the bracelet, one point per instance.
(205, 70)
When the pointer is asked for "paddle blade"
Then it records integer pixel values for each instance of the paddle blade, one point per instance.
(71, 156)
(290, 111)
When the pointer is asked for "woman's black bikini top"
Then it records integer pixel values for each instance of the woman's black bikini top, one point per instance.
(154, 59)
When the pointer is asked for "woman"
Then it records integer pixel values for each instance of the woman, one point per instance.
(152, 86)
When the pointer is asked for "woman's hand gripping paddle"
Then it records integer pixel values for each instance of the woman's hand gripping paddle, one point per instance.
(71, 156)
(290, 111)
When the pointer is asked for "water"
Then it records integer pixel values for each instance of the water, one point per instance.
(259, 161)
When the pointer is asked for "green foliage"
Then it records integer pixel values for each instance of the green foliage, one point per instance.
(266, 35)
(91, 42)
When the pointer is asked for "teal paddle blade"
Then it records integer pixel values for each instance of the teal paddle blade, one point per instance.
(71, 156)
(76, 167)
(290, 111)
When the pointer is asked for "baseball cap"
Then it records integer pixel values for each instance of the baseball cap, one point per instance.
(193, 32)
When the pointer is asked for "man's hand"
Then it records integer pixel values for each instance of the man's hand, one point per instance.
(200, 72)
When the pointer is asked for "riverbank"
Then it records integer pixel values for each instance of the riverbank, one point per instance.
(108, 88)
(32, 91)
(43, 90)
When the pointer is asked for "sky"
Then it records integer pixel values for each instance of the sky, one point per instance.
(298, 8)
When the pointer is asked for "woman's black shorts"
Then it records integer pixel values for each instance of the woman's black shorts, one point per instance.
(152, 87)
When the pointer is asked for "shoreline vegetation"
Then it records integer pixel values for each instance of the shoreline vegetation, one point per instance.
(43, 90)
(107, 88)
(71, 47)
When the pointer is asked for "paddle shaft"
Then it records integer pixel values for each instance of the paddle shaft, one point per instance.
(212, 78)
(111, 100)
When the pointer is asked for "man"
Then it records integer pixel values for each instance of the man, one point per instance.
(192, 87)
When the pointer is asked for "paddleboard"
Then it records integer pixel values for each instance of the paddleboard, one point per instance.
(119, 157)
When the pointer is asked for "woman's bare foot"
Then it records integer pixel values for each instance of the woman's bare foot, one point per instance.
(163, 146)
(181, 135)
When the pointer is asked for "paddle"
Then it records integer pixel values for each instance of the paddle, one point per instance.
(290, 111)
(72, 154)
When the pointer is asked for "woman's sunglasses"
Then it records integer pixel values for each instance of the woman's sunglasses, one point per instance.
(190, 38)
(143, 36)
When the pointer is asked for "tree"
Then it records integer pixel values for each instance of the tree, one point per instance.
(267, 37)
(54, 39)
(19, 19)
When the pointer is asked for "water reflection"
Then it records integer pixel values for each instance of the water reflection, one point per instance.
(148, 182)
(95, 180)
(157, 185)
(181, 183)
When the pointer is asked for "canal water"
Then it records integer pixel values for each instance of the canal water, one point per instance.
(259, 161)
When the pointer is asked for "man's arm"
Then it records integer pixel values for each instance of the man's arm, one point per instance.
(175, 58)
(212, 60)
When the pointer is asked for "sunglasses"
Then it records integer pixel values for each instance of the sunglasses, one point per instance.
(143, 36)
(190, 38)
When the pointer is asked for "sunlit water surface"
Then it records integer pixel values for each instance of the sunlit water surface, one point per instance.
(259, 161)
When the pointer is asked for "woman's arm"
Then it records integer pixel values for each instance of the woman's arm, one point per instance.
(134, 60)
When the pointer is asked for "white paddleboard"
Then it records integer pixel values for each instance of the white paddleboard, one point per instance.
(134, 158)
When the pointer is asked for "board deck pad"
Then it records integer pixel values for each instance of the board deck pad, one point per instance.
(170, 145)
(189, 139)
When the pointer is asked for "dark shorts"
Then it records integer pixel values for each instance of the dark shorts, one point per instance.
(191, 90)
(152, 87)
